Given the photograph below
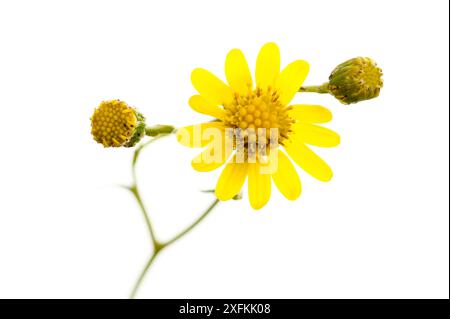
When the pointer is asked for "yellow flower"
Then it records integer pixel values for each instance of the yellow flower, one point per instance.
(246, 110)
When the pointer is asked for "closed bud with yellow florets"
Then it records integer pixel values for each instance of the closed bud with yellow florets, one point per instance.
(116, 124)
(353, 81)
(356, 80)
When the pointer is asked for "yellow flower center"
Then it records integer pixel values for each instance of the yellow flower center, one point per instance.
(259, 109)
(113, 123)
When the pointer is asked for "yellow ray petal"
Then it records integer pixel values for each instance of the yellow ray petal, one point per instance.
(286, 178)
(231, 180)
(199, 135)
(199, 104)
(267, 65)
(310, 113)
(215, 155)
(291, 79)
(259, 186)
(237, 72)
(211, 87)
(315, 135)
(304, 157)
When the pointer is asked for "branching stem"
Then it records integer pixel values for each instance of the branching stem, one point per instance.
(157, 246)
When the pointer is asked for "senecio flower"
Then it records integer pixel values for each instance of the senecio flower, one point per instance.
(253, 124)
(115, 124)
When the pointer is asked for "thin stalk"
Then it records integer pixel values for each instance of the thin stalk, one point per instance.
(160, 246)
(142, 275)
(315, 88)
(192, 226)
(157, 245)
(134, 190)
(157, 130)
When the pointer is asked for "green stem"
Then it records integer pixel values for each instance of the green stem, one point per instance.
(134, 190)
(142, 275)
(157, 245)
(315, 88)
(160, 246)
(159, 129)
(195, 223)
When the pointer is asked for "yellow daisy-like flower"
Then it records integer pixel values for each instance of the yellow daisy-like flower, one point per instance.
(244, 107)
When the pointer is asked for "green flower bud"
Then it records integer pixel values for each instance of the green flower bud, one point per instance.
(356, 80)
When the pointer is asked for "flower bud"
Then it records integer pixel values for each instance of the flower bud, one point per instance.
(115, 124)
(356, 80)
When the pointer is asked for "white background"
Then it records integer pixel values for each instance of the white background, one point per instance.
(379, 229)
